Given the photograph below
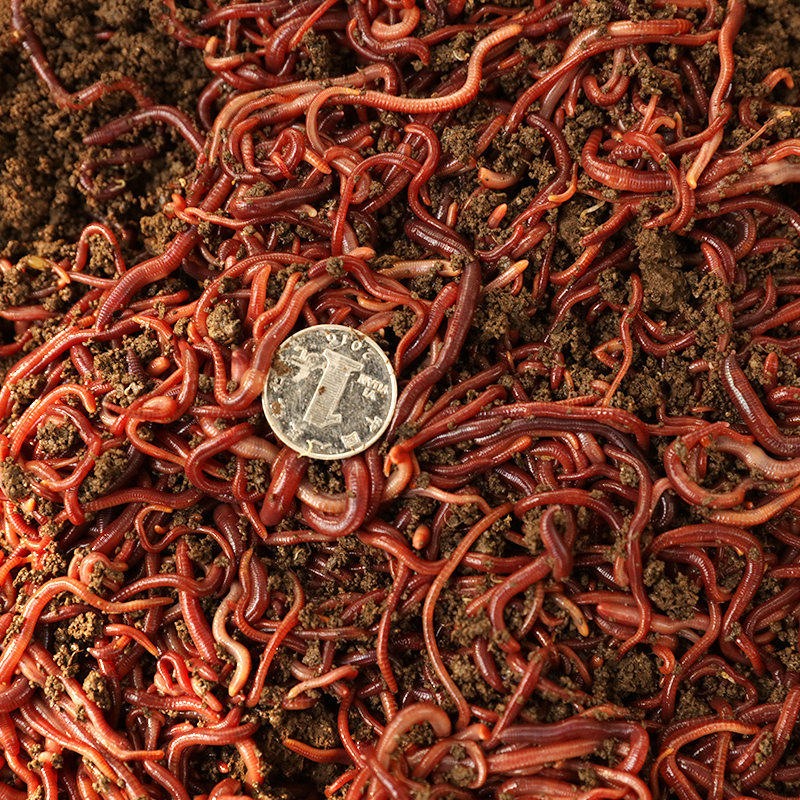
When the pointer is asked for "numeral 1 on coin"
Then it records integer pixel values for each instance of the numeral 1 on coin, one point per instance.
(321, 412)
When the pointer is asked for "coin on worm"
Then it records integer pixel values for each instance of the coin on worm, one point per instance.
(330, 392)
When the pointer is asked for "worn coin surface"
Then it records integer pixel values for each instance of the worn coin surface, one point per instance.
(330, 392)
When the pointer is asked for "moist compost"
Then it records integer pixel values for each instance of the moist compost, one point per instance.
(570, 567)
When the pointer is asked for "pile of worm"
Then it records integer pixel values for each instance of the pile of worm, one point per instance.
(570, 569)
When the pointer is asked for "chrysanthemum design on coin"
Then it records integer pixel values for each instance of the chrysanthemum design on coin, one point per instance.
(330, 392)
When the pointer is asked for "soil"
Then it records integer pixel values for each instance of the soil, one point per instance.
(224, 325)
(44, 207)
(46, 200)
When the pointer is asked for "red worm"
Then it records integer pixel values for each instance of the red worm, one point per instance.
(382, 642)
(432, 597)
(760, 424)
(488, 244)
(42, 596)
(355, 475)
(159, 267)
(623, 178)
(288, 622)
(457, 329)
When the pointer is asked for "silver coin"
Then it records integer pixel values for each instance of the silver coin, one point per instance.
(330, 392)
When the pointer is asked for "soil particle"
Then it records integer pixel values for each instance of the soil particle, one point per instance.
(636, 674)
(690, 704)
(459, 141)
(145, 347)
(40, 174)
(96, 688)
(577, 129)
(321, 60)
(107, 468)
(622, 680)
(500, 313)
(26, 390)
(677, 597)
(460, 775)
(595, 12)
(665, 286)
(56, 438)
(326, 476)
(521, 149)
(455, 52)
(113, 366)
(85, 627)
(200, 549)
(464, 629)
(790, 657)
(224, 325)
(158, 231)
(315, 727)
(15, 287)
(277, 281)
(15, 481)
(52, 690)
(575, 220)
(258, 476)
(402, 321)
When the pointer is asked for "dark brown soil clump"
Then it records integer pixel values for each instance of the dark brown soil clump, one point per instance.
(44, 206)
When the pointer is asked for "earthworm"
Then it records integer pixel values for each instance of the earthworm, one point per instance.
(559, 287)
(761, 425)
